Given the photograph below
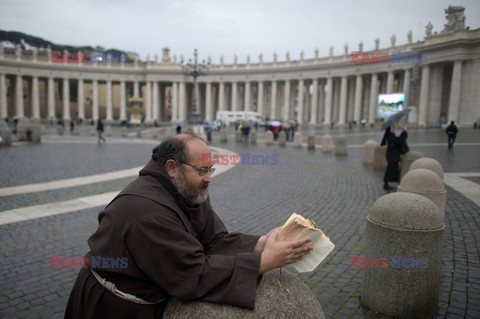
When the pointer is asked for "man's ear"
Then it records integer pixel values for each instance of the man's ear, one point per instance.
(171, 168)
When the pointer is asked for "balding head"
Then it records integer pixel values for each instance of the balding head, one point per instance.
(176, 148)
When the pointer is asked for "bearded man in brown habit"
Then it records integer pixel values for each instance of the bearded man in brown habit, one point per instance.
(163, 225)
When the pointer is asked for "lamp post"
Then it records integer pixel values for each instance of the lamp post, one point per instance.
(195, 69)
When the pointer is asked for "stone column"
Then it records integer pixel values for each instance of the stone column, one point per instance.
(301, 92)
(234, 96)
(3, 93)
(155, 100)
(273, 109)
(260, 98)
(406, 86)
(35, 98)
(343, 101)
(328, 102)
(248, 95)
(136, 89)
(174, 101)
(109, 101)
(182, 106)
(208, 102)
(314, 106)
(286, 110)
(221, 96)
(81, 99)
(95, 100)
(66, 99)
(148, 101)
(358, 99)
(19, 96)
(51, 98)
(390, 82)
(373, 99)
(123, 104)
(455, 90)
(424, 91)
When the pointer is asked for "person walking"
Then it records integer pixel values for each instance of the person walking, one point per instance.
(451, 131)
(395, 144)
(100, 131)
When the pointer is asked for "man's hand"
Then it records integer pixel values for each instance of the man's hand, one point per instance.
(280, 253)
(261, 242)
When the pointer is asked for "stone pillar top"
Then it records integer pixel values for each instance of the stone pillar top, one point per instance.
(422, 179)
(405, 211)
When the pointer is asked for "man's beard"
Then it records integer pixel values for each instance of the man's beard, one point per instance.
(192, 194)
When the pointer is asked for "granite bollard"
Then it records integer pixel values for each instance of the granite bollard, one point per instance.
(139, 132)
(35, 133)
(407, 231)
(154, 132)
(341, 145)
(428, 163)
(22, 127)
(425, 182)
(407, 160)
(60, 129)
(269, 137)
(369, 151)
(168, 131)
(238, 137)
(327, 143)
(380, 157)
(297, 140)
(277, 297)
(311, 142)
(253, 137)
(6, 134)
(108, 130)
(282, 138)
(93, 130)
(124, 131)
(223, 136)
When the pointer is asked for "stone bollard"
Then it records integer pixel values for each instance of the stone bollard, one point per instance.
(22, 128)
(425, 182)
(6, 134)
(60, 129)
(36, 133)
(154, 132)
(93, 130)
(380, 157)
(139, 132)
(269, 137)
(282, 138)
(43, 129)
(238, 137)
(311, 142)
(341, 145)
(108, 130)
(407, 229)
(76, 130)
(428, 163)
(297, 140)
(124, 131)
(327, 143)
(223, 136)
(407, 160)
(276, 297)
(369, 151)
(253, 137)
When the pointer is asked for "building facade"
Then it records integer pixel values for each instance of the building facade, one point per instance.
(319, 91)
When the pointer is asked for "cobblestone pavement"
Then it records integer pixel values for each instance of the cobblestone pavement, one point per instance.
(335, 191)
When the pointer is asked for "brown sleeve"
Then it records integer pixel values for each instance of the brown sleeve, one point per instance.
(176, 261)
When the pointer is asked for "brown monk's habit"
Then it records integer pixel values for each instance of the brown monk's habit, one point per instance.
(185, 253)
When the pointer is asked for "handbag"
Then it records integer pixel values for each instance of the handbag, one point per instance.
(404, 148)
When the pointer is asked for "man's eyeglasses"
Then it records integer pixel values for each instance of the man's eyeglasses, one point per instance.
(202, 171)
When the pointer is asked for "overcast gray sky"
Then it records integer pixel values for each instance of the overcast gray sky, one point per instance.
(241, 27)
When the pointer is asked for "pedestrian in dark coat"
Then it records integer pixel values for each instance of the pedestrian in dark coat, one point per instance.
(451, 131)
(394, 151)
(100, 131)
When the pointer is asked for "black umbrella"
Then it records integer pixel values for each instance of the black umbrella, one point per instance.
(395, 118)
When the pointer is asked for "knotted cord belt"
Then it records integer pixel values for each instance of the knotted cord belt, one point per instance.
(110, 286)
